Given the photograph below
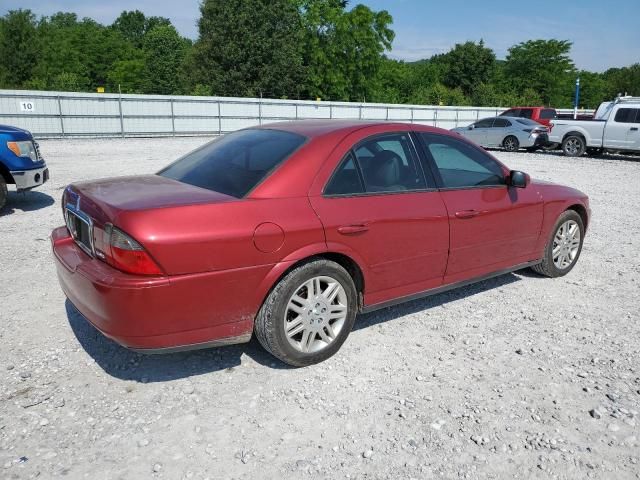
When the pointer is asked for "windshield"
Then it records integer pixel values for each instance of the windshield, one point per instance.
(235, 163)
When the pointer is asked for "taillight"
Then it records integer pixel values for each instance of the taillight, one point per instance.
(124, 253)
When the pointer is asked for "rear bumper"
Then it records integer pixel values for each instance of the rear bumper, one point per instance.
(156, 314)
(28, 179)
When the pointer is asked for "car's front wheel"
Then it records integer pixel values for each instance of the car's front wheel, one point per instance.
(309, 314)
(564, 246)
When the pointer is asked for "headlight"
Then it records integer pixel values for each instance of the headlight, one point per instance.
(23, 149)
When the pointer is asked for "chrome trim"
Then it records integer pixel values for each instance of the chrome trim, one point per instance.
(244, 338)
(83, 217)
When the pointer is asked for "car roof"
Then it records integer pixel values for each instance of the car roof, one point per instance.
(318, 128)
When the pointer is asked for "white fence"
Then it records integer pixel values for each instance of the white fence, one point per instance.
(62, 114)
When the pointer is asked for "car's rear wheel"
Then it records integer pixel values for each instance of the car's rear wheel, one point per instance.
(564, 246)
(4, 192)
(574, 146)
(309, 314)
(511, 144)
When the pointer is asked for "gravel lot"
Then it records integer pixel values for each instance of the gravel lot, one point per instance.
(515, 377)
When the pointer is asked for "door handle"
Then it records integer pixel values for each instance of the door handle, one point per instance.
(353, 229)
(467, 213)
(634, 129)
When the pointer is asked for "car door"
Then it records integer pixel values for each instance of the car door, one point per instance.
(379, 208)
(497, 132)
(492, 226)
(480, 131)
(622, 131)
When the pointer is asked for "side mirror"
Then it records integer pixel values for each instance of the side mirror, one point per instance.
(519, 179)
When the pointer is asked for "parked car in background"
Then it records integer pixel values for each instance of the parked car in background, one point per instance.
(506, 132)
(20, 162)
(289, 230)
(542, 115)
(616, 130)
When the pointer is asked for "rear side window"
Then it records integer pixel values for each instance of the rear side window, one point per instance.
(513, 112)
(547, 113)
(628, 115)
(346, 180)
(501, 123)
(393, 166)
(526, 113)
(526, 121)
(235, 163)
(461, 165)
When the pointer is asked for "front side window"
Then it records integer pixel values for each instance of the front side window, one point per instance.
(484, 123)
(628, 115)
(235, 163)
(461, 165)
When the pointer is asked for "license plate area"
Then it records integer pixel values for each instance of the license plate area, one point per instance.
(81, 229)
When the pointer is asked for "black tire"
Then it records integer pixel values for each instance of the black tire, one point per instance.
(4, 192)
(574, 146)
(547, 267)
(269, 324)
(511, 144)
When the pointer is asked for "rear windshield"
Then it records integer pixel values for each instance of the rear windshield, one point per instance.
(235, 163)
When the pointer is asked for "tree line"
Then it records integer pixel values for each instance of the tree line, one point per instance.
(304, 49)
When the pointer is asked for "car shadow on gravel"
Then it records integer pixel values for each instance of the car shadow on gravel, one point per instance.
(26, 202)
(125, 364)
(408, 308)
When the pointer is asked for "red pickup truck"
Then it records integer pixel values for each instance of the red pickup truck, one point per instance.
(542, 115)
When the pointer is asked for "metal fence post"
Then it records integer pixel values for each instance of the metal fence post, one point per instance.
(435, 117)
(457, 115)
(387, 114)
(296, 105)
(173, 119)
(260, 110)
(360, 112)
(121, 116)
(411, 114)
(219, 119)
(330, 111)
(60, 115)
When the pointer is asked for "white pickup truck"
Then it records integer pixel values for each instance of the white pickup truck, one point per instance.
(616, 128)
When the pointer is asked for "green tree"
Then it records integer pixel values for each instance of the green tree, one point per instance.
(134, 25)
(467, 66)
(164, 54)
(128, 74)
(18, 48)
(248, 48)
(343, 49)
(623, 81)
(545, 67)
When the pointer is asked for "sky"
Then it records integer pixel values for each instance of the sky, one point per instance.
(605, 34)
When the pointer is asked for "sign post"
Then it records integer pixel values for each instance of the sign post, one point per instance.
(577, 99)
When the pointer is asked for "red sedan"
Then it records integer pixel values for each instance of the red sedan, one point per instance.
(289, 230)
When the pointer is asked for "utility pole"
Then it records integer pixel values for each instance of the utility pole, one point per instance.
(577, 99)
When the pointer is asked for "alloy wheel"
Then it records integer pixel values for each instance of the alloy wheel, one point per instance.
(566, 244)
(315, 314)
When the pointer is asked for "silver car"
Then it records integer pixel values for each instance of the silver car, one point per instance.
(510, 133)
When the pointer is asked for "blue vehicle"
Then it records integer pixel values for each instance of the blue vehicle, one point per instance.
(20, 162)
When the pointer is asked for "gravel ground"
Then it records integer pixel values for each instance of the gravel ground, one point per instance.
(515, 377)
